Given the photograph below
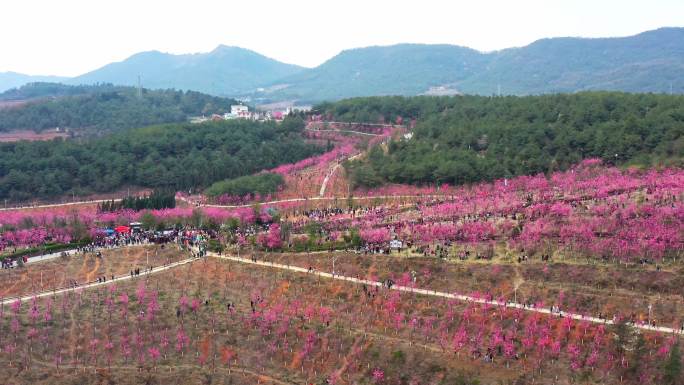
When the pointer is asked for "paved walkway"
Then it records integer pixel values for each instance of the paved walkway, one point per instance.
(459, 297)
(315, 198)
(91, 285)
(329, 175)
(57, 205)
(434, 293)
(356, 124)
(348, 131)
(47, 257)
(319, 198)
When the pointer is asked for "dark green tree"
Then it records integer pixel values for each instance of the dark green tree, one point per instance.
(672, 368)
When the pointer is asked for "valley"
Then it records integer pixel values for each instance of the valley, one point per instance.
(409, 226)
(571, 277)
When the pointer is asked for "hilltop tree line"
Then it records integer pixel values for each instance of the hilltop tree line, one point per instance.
(467, 139)
(103, 107)
(174, 156)
(262, 184)
(38, 90)
(155, 201)
(647, 62)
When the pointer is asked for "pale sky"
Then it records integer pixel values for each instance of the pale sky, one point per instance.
(70, 37)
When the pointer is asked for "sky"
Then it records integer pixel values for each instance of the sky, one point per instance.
(71, 37)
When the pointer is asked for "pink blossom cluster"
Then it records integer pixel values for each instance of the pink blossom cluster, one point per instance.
(151, 325)
(593, 210)
(338, 153)
(26, 228)
(270, 239)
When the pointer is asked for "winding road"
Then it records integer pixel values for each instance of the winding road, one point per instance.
(319, 198)
(57, 205)
(347, 131)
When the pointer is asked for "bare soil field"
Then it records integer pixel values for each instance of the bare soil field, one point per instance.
(221, 322)
(83, 268)
(18, 135)
(11, 103)
(317, 333)
(589, 289)
(78, 203)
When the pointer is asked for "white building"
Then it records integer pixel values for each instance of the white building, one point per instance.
(198, 119)
(239, 111)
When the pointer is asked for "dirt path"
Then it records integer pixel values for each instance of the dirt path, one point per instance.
(90, 276)
(519, 279)
(73, 338)
(136, 261)
(345, 360)
(464, 361)
(16, 282)
(84, 267)
(233, 369)
(329, 175)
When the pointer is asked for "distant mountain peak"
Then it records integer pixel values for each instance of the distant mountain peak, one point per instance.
(651, 61)
(226, 70)
(224, 47)
(10, 79)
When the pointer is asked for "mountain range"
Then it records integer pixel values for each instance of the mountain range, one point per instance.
(9, 80)
(651, 61)
(223, 71)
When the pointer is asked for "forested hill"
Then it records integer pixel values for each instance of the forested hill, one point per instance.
(652, 61)
(465, 139)
(43, 90)
(223, 71)
(174, 156)
(102, 107)
(403, 69)
(9, 80)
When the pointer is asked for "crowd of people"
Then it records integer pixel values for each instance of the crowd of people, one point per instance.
(130, 238)
(10, 263)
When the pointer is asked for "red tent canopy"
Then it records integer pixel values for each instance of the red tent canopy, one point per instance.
(122, 229)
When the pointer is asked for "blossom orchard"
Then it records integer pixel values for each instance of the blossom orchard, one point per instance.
(30, 228)
(179, 319)
(590, 210)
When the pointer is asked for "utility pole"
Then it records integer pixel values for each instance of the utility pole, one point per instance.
(515, 294)
(333, 265)
(139, 88)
